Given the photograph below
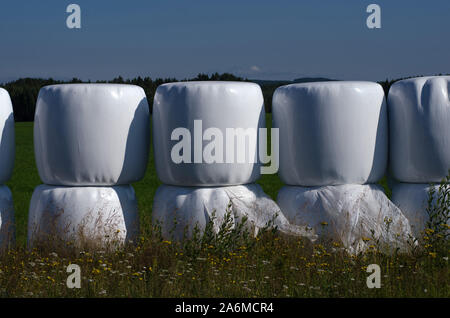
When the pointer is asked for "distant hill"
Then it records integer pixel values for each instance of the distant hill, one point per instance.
(270, 82)
(286, 82)
(312, 79)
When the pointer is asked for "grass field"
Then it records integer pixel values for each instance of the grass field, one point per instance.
(237, 266)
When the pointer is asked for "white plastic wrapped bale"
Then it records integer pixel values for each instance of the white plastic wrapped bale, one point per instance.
(179, 210)
(331, 133)
(7, 224)
(97, 216)
(91, 134)
(7, 144)
(347, 214)
(412, 199)
(190, 124)
(419, 117)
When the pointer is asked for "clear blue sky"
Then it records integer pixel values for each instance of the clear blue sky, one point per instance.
(254, 38)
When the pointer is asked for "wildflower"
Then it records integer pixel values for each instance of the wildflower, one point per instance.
(429, 231)
(432, 254)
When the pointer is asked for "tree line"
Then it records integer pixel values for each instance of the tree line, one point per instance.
(24, 91)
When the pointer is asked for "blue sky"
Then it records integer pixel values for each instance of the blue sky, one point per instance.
(258, 39)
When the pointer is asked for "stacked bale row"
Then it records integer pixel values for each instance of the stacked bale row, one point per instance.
(333, 149)
(91, 141)
(203, 184)
(419, 114)
(7, 152)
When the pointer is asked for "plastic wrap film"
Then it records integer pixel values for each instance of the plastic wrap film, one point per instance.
(91, 134)
(83, 215)
(412, 199)
(419, 122)
(7, 143)
(179, 210)
(331, 133)
(7, 223)
(354, 215)
(216, 106)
